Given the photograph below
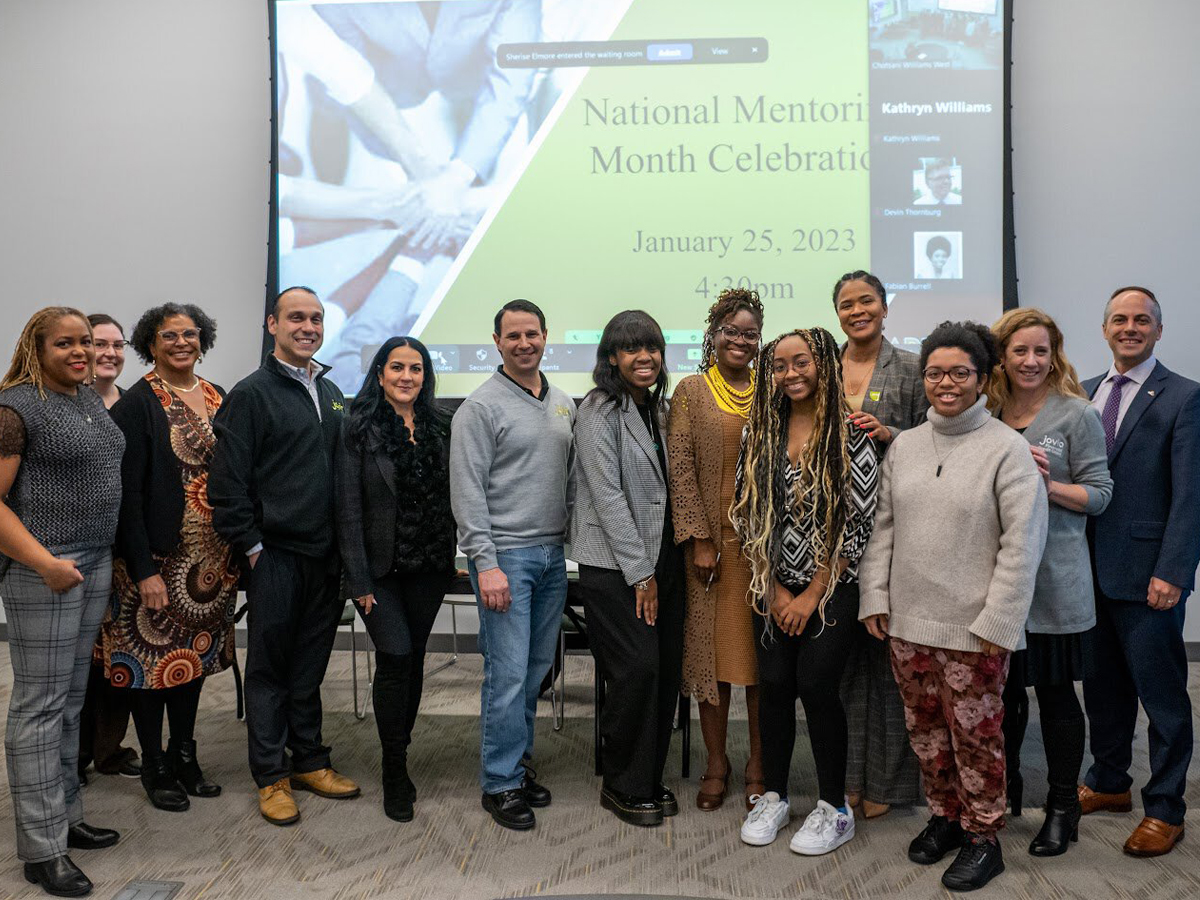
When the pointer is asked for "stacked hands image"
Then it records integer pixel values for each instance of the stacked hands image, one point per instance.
(774, 523)
(398, 130)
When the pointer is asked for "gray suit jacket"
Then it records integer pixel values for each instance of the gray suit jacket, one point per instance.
(621, 504)
(896, 394)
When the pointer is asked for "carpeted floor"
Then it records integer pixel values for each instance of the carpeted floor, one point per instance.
(348, 849)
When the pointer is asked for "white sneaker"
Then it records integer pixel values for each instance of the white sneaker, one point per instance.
(824, 830)
(765, 819)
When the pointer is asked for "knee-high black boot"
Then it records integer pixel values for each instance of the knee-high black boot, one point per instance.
(1016, 718)
(390, 694)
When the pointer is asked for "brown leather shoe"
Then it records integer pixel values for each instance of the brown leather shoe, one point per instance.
(326, 783)
(710, 800)
(276, 803)
(1153, 837)
(1093, 801)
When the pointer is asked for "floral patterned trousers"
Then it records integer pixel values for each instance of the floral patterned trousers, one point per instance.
(953, 710)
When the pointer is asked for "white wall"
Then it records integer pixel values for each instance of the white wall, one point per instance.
(134, 143)
(134, 146)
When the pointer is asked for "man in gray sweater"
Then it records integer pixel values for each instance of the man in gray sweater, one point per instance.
(512, 489)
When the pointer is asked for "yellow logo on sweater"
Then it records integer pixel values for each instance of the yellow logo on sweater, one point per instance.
(338, 406)
(562, 411)
(874, 395)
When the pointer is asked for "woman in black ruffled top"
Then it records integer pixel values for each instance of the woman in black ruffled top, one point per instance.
(397, 537)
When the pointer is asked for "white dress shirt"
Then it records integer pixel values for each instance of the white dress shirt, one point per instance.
(1138, 375)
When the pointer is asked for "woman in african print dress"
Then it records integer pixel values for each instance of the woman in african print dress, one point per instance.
(175, 584)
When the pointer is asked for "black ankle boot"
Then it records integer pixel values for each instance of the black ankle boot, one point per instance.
(399, 793)
(181, 756)
(977, 863)
(1061, 826)
(164, 791)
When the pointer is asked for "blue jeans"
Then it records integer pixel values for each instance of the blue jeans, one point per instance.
(518, 648)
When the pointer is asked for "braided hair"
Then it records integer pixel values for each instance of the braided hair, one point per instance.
(26, 365)
(729, 302)
(760, 496)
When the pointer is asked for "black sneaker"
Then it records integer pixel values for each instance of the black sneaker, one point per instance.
(666, 799)
(510, 809)
(937, 839)
(635, 810)
(536, 795)
(977, 863)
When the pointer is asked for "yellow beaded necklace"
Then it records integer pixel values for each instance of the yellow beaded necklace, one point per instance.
(728, 398)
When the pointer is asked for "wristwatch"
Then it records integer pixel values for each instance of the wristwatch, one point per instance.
(644, 584)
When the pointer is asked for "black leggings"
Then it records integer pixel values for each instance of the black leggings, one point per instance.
(180, 703)
(809, 666)
(399, 625)
(1063, 732)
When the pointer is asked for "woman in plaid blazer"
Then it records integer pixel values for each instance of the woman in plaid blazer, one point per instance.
(630, 570)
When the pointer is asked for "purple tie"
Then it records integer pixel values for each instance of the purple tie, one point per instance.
(1112, 406)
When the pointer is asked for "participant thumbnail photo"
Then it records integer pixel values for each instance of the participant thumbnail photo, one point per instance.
(937, 181)
(956, 34)
(937, 254)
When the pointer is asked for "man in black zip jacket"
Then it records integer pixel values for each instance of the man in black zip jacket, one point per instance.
(271, 489)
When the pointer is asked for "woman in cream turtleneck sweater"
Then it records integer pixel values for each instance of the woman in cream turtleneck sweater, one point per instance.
(949, 576)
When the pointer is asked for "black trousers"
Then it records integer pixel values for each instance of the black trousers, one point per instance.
(399, 624)
(642, 667)
(294, 613)
(103, 723)
(1140, 656)
(809, 666)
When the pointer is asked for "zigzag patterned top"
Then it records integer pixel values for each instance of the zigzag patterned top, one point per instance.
(797, 562)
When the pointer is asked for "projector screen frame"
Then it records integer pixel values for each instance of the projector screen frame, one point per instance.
(1009, 292)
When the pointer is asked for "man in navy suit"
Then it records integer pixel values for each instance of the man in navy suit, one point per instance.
(1145, 547)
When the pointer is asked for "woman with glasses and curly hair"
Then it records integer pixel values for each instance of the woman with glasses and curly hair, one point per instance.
(171, 625)
(708, 414)
(804, 506)
(949, 576)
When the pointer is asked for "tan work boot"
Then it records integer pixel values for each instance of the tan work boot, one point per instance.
(276, 803)
(325, 783)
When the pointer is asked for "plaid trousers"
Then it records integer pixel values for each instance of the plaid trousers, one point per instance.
(50, 638)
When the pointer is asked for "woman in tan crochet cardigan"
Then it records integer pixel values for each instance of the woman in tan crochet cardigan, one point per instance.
(708, 413)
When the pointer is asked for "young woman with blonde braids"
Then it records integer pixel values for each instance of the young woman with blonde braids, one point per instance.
(708, 414)
(804, 508)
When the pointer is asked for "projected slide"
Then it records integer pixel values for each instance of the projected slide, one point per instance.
(438, 158)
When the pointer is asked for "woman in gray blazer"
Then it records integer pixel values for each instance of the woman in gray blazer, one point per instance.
(886, 395)
(1035, 390)
(630, 570)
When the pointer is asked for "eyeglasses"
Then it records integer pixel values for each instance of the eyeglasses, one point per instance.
(191, 335)
(109, 345)
(958, 374)
(750, 335)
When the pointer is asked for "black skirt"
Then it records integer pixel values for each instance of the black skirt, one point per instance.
(1050, 659)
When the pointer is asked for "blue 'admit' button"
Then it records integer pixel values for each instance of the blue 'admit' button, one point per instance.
(669, 52)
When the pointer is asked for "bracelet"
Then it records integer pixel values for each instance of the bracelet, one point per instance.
(644, 584)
